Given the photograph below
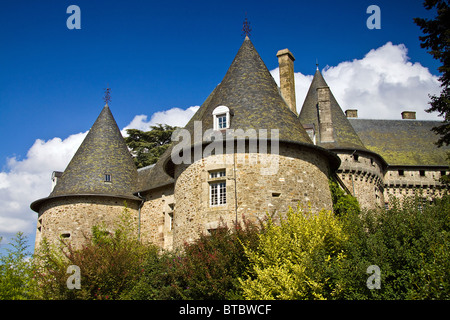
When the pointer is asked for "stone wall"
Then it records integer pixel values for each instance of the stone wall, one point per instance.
(156, 217)
(264, 184)
(406, 181)
(363, 177)
(72, 218)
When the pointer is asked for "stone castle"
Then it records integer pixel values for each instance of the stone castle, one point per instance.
(174, 202)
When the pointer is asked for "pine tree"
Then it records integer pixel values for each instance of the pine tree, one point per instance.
(437, 41)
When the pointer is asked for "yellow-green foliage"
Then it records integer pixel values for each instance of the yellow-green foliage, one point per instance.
(296, 258)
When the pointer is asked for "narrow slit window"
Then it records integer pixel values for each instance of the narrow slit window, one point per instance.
(170, 221)
(276, 194)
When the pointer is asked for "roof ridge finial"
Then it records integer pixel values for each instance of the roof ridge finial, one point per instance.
(107, 97)
(246, 27)
(317, 64)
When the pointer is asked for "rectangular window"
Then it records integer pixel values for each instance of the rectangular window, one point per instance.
(107, 178)
(401, 172)
(221, 121)
(218, 193)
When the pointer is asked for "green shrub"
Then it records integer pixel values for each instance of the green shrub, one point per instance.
(110, 264)
(302, 256)
(208, 268)
(297, 259)
(409, 243)
(342, 203)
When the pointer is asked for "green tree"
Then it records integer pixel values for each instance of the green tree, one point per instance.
(437, 41)
(17, 278)
(148, 146)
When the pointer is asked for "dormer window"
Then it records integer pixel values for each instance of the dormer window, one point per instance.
(310, 130)
(221, 118)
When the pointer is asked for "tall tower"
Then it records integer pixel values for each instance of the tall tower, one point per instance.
(361, 170)
(94, 187)
(253, 178)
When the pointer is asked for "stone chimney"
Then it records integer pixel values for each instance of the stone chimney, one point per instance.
(409, 115)
(287, 82)
(325, 120)
(351, 113)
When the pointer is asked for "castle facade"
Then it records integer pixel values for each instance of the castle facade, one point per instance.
(174, 201)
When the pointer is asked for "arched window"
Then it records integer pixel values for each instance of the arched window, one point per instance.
(221, 118)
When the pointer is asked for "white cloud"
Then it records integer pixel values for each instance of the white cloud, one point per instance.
(173, 117)
(29, 179)
(26, 180)
(381, 85)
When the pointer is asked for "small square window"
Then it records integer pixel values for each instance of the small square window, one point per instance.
(217, 174)
(401, 172)
(422, 173)
(107, 178)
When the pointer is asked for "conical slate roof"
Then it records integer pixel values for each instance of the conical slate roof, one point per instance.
(345, 136)
(254, 100)
(103, 152)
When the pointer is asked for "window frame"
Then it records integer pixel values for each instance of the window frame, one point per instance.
(217, 187)
(218, 113)
(218, 193)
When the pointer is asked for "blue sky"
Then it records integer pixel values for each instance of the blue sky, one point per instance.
(160, 55)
